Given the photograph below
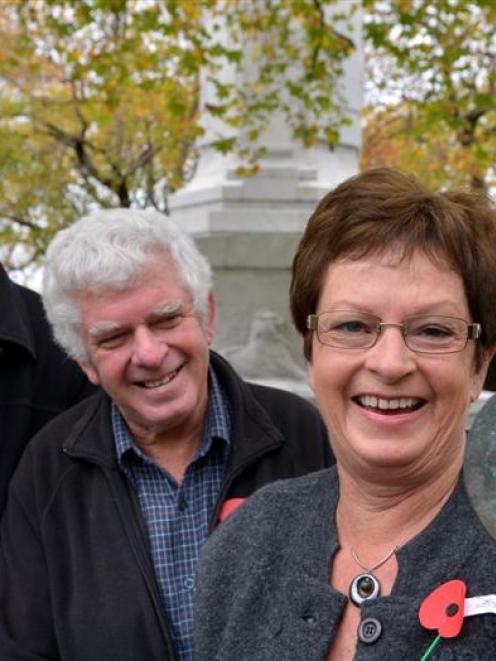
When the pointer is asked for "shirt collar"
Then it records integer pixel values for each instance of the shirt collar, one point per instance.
(217, 423)
(218, 419)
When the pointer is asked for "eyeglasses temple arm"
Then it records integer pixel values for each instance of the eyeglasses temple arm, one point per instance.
(312, 322)
(474, 331)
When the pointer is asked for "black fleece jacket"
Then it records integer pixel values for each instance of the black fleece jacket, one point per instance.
(37, 380)
(76, 578)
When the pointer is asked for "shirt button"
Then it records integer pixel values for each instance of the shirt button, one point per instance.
(182, 504)
(369, 630)
(189, 583)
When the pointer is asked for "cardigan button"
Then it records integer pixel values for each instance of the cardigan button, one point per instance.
(369, 630)
(309, 619)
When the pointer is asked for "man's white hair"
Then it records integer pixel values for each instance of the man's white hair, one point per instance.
(109, 249)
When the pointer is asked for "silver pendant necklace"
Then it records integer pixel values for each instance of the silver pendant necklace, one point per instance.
(366, 586)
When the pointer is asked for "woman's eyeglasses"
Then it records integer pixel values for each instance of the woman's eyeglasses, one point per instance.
(348, 329)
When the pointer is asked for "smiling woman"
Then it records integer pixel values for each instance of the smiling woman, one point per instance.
(359, 391)
(393, 294)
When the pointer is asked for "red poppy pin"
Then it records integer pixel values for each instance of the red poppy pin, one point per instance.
(228, 507)
(446, 607)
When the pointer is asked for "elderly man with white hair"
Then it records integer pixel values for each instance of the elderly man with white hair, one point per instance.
(114, 499)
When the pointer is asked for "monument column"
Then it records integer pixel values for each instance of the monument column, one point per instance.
(249, 227)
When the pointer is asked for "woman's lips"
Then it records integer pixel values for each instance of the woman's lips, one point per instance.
(389, 405)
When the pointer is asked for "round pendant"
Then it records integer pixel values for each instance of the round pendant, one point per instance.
(364, 587)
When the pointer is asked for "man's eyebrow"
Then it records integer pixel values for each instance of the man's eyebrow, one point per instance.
(167, 310)
(104, 328)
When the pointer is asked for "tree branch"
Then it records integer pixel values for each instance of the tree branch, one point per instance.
(20, 221)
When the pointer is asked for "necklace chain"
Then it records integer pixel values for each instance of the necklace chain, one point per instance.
(371, 570)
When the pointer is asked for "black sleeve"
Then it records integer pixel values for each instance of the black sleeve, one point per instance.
(302, 426)
(26, 629)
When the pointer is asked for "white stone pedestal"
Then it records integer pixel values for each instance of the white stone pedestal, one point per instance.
(249, 228)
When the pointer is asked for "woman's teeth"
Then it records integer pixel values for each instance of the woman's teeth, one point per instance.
(370, 401)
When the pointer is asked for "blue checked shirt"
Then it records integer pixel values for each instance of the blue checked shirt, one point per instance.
(177, 515)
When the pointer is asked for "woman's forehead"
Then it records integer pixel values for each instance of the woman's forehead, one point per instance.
(418, 277)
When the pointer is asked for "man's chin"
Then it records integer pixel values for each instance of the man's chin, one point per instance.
(151, 423)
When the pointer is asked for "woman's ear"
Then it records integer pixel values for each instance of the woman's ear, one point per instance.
(479, 376)
(310, 375)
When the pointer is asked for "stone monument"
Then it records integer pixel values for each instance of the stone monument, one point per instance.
(480, 464)
(248, 228)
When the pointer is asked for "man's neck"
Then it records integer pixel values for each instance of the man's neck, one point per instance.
(172, 450)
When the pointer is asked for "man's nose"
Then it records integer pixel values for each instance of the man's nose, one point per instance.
(148, 349)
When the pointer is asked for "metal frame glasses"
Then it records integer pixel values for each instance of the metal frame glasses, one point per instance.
(435, 334)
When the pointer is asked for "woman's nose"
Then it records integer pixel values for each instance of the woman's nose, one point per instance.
(390, 357)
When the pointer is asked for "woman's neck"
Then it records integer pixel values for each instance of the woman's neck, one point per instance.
(372, 517)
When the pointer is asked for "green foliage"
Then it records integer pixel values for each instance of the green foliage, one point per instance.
(432, 73)
(100, 106)
(100, 99)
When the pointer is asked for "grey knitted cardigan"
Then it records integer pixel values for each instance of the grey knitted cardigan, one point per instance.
(263, 591)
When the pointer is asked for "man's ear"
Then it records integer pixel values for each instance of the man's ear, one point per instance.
(90, 372)
(211, 317)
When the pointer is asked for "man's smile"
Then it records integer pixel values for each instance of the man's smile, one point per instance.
(157, 383)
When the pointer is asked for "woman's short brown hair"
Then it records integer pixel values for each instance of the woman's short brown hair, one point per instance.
(380, 208)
